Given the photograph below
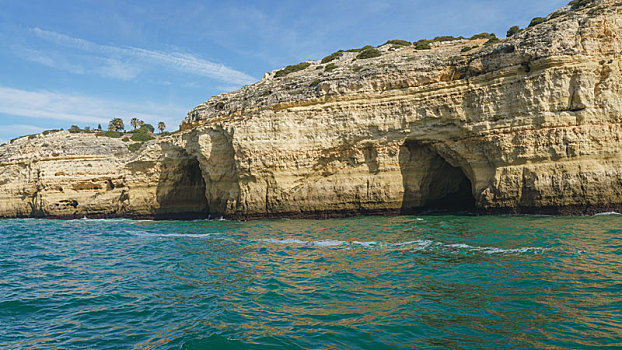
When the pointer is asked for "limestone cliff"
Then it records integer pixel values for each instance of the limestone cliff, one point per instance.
(530, 124)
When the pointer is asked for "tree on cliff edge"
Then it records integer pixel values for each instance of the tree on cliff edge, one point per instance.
(161, 127)
(134, 122)
(116, 124)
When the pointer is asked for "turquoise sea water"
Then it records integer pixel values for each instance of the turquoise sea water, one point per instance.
(361, 283)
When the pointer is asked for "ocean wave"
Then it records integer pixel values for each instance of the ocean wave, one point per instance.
(170, 235)
(495, 250)
(106, 220)
(328, 243)
(607, 213)
(282, 241)
(371, 244)
(416, 245)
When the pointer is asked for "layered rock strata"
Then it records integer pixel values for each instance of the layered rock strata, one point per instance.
(529, 124)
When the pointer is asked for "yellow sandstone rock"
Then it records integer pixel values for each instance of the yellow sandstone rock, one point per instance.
(529, 124)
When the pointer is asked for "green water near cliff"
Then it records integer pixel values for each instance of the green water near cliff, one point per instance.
(359, 283)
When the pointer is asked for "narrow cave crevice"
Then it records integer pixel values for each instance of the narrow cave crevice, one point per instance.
(431, 184)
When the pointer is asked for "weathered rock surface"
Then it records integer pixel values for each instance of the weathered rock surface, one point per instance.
(530, 124)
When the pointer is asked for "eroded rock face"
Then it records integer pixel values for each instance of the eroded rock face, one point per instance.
(531, 124)
(61, 175)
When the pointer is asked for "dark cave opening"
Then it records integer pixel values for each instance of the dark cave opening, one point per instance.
(181, 191)
(431, 184)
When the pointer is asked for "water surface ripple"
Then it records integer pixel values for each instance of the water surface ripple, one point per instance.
(360, 283)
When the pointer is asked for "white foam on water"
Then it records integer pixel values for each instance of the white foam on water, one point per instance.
(283, 241)
(170, 235)
(106, 220)
(607, 213)
(419, 243)
(371, 244)
(328, 243)
(459, 245)
(362, 244)
(416, 245)
(494, 250)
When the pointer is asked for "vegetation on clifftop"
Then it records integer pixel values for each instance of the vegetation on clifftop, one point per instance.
(369, 52)
(512, 31)
(332, 57)
(142, 132)
(397, 43)
(292, 69)
(577, 4)
(536, 21)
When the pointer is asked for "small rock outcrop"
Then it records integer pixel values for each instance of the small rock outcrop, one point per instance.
(530, 124)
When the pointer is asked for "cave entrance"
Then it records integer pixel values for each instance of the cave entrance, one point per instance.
(431, 184)
(181, 191)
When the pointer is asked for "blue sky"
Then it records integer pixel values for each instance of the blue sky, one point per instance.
(84, 62)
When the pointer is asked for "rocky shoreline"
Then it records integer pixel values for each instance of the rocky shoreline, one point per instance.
(531, 124)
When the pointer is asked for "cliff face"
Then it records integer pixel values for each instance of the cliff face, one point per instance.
(530, 124)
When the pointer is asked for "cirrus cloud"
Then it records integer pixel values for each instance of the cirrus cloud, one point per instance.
(115, 59)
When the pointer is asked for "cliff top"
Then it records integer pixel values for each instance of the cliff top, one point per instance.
(54, 144)
(399, 64)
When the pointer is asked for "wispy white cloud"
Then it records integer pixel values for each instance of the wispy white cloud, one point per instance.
(83, 110)
(115, 58)
(105, 67)
(49, 59)
(113, 68)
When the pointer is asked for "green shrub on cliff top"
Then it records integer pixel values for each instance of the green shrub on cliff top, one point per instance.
(135, 146)
(330, 67)
(397, 43)
(146, 128)
(47, 132)
(361, 49)
(536, 21)
(369, 52)
(445, 38)
(75, 129)
(113, 134)
(292, 69)
(594, 11)
(492, 41)
(423, 44)
(577, 4)
(332, 56)
(556, 14)
(142, 137)
(512, 31)
(483, 36)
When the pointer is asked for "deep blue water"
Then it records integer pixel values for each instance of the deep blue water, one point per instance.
(361, 283)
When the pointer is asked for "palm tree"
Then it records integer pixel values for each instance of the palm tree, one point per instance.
(134, 122)
(161, 127)
(116, 124)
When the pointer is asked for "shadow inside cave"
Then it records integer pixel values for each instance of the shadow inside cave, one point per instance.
(431, 184)
(181, 189)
